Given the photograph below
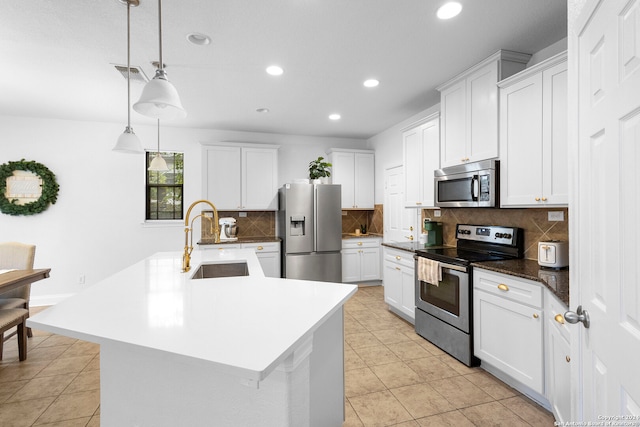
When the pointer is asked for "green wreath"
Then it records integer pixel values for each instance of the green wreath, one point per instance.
(49, 188)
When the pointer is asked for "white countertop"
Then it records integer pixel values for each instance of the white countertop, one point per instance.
(245, 326)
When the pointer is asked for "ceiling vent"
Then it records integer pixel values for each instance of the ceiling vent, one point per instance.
(137, 75)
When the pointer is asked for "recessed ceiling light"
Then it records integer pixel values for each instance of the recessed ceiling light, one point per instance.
(275, 70)
(334, 116)
(262, 110)
(198, 39)
(371, 83)
(449, 10)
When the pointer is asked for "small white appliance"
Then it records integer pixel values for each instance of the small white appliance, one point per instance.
(228, 229)
(553, 253)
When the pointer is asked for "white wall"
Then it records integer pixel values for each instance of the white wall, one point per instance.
(388, 148)
(96, 227)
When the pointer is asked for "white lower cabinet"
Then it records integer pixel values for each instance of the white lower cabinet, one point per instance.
(361, 259)
(508, 326)
(558, 362)
(268, 254)
(399, 282)
(522, 338)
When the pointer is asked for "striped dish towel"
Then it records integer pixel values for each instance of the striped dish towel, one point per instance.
(429, 271)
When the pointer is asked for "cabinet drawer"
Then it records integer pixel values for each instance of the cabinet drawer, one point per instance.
(360, 243)
(510, 287)
(555, 314)
(403, 258)
(221, 246)
(262, 246)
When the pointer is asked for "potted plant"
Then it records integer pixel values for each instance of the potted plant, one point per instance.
(319, 169)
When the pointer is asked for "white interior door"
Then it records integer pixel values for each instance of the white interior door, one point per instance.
(393, 203)
(604, 50)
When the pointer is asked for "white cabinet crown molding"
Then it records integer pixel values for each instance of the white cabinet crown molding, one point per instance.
(537, 68)
(239, 144)
(348, 150)
(421, 121)
(501, 55)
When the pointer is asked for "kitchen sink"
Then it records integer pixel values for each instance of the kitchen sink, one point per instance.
(232, 269)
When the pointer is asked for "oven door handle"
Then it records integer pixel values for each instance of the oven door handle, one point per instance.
(453, 267)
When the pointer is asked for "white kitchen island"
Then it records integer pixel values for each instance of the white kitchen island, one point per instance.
(235, 351)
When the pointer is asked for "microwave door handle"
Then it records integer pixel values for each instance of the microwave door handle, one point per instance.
(475, 188)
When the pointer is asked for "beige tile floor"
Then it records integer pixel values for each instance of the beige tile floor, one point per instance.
(393, 378)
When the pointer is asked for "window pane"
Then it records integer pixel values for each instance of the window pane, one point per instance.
(164, 189)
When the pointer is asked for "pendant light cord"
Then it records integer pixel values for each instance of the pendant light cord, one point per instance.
(158, 137)
(161, 66)
(128, 64)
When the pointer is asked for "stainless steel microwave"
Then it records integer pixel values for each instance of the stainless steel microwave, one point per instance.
(470, 185)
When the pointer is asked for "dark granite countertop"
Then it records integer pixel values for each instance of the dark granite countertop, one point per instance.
(409, 246)
(241, 240)
(557, 281)
(361, 236)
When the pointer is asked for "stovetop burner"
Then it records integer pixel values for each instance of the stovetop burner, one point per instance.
(476, 243)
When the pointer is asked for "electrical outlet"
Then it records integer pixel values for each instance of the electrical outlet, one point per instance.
(437, 213)
(242, 214)
(81, 279)
(555, 215)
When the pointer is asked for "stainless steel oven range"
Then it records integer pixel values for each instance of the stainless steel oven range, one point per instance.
(444, 310)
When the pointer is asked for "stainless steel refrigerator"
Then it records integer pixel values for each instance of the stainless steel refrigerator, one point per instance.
(310, 226)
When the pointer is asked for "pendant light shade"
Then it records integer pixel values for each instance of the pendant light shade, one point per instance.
(128, 142)
(159, 98)
(158, 164)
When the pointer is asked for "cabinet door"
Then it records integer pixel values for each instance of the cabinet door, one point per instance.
(508, 336)
(408, 305)
(454, 125)
(364, 165)
(559, 375)
(555, 176)
(270, 263)
(350, 265)
(223, 177)
(430, 160)
(370, 264)
(393, 284)
(482, 113)
(412, 153)
(343, 173)
(521, 142)
(260, 176)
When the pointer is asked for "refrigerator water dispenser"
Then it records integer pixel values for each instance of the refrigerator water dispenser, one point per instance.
(297, 223)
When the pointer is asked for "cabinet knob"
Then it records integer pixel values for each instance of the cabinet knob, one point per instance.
(359, 243)
(398, 257)
(397, 268)
(535, 315)
(259, 248)
(503, 287)
(537, 199)
(418, 203)
(559, 318)
(409, 237)
(544, 199)
(567, 358)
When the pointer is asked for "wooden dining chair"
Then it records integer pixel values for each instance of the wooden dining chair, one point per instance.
(9, 318)
(16, 256)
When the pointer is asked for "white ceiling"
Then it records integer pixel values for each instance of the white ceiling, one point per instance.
(56, 56)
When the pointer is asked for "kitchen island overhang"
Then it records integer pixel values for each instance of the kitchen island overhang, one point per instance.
(271, 349)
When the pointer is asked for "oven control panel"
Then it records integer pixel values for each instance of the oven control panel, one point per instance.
(486, 233)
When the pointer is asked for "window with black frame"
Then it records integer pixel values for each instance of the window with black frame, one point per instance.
(164, 188)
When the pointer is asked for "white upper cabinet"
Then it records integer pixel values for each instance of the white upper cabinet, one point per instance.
(241, 176)
(421, 152)
(354, 171)
(533, 136)
(469, 106)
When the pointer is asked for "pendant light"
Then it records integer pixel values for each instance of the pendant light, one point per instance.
(160, 98)
(158, 164)
(129, 142)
